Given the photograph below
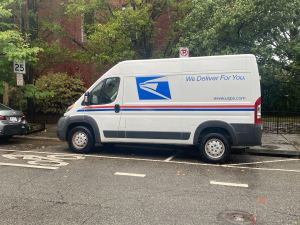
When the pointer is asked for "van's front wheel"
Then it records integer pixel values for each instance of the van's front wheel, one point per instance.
(215, 148)
(80, 140)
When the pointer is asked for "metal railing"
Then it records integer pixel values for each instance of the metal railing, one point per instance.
(281, 122)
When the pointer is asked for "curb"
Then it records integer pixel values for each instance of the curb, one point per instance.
(36, 138)
(272, 152)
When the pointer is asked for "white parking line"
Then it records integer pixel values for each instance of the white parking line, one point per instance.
(170, 158)
(262, 162)
(229, 184)
(129, 174)
(162, 161)
(29, 166)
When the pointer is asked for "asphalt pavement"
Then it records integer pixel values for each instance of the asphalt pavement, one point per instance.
(42, 182)
(272, 144)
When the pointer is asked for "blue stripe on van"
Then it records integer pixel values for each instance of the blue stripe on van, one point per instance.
(172, 110)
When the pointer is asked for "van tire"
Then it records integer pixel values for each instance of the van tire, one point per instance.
(81, 140)
(214, 148)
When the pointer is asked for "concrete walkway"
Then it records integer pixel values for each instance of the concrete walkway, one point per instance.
(274, 144)
(282, 144)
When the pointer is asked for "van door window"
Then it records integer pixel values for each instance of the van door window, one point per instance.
(105, 92)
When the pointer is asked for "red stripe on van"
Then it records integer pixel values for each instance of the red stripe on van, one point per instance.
(186, 106)
(99, 107)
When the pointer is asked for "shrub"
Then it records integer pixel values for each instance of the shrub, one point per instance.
(61, 91)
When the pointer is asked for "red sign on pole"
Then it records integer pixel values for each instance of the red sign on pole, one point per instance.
(184, 52)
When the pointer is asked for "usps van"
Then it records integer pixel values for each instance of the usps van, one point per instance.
(212, 103)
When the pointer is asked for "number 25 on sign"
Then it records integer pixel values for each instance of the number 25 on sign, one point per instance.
(20, 67)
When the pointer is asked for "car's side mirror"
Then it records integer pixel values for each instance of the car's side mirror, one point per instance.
(86, 100)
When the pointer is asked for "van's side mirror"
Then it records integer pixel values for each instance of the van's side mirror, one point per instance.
(86, 100)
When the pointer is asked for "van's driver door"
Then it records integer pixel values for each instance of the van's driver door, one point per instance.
(104, 108)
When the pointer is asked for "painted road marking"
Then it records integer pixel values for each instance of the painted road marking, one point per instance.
(160, 161)
(170, 158)
(129, 174)
(29, 166)
(262, 162)
(36, 161)
(229, 184)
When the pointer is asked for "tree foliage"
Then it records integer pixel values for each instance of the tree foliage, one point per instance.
(53, 93)
(113, 33)
(13, 43)
(269, 29)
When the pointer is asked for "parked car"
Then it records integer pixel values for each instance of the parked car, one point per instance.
(12, 122)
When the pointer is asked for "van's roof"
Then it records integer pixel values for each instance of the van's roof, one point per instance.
(212, 64)
(189, 58)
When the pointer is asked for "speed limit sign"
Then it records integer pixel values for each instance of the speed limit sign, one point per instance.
(184, 52)
(20, 67)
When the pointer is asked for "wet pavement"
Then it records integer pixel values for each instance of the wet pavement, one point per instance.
(42, 182)
(272, 144)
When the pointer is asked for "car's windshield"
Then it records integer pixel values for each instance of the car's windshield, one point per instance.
(3, 107)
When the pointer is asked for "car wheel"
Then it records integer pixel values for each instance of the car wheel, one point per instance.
(215, 148)
(5, 139)
(81, 140)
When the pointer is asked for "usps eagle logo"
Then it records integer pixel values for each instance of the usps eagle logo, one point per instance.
(153, 88)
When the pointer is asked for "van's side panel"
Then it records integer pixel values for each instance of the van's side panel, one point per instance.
(144, 113)
(225, 92)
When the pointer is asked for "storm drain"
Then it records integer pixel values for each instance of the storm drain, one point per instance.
(237, 217)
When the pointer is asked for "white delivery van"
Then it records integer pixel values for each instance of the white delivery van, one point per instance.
(210, 102)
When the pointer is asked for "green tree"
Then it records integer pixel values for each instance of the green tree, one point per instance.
(269, 29)
(13, 44)
(113, 33)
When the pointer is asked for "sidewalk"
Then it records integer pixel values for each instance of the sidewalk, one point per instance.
(273, 144)
(278, 144)
(48, 134)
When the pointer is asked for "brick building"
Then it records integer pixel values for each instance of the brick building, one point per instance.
(74, 38)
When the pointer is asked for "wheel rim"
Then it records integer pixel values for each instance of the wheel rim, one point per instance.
(214, 148)
(80, 140)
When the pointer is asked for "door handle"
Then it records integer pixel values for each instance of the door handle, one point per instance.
(117, 108)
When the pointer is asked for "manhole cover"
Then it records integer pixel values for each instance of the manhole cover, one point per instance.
(237, 217)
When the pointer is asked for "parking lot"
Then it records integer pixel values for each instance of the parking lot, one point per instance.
(44, 183)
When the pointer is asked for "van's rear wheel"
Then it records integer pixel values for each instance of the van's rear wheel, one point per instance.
(80, 140)
(215, 148)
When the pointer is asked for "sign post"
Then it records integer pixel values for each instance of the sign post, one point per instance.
(184, 52)
(20, 70)
(20, 79)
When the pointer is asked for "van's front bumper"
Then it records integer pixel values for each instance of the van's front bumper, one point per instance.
(247, 134)
(62, 128)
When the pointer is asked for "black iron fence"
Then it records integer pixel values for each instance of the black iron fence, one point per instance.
(281, 122)
(37, 122)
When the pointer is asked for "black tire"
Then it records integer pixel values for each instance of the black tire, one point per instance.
(81, 135)
(214, 148)
(5, 139)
